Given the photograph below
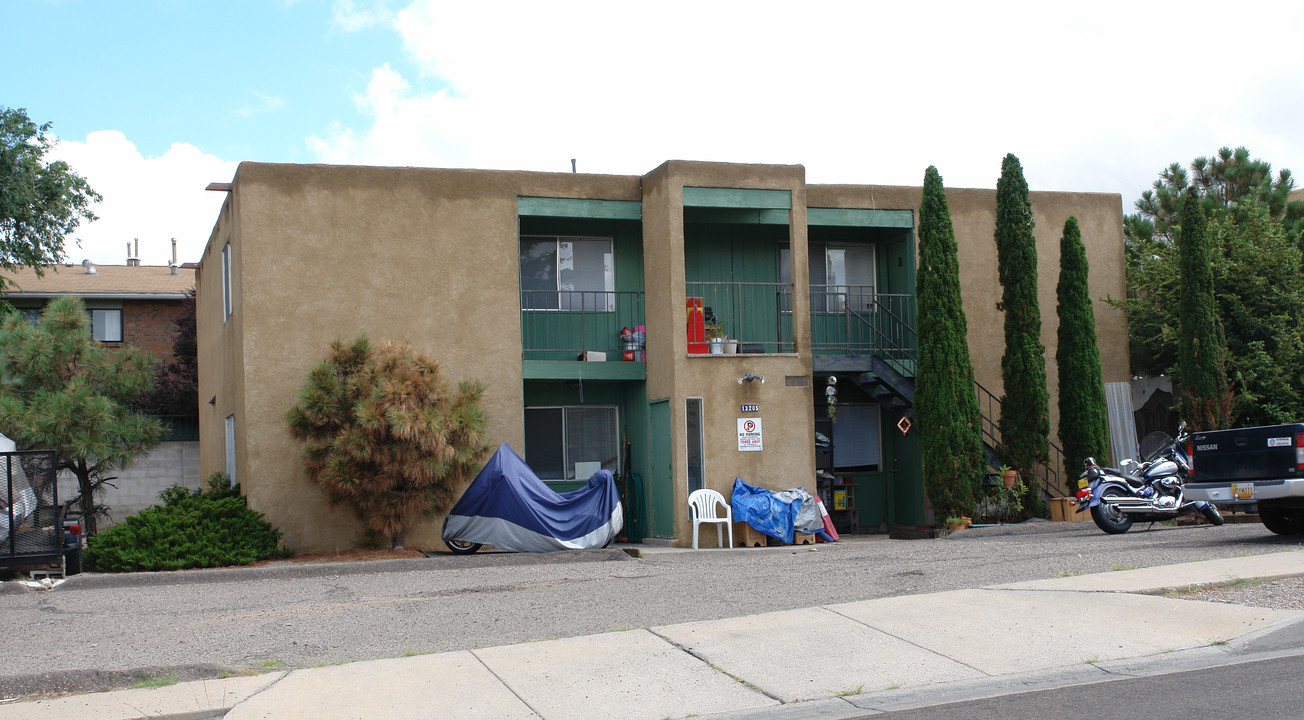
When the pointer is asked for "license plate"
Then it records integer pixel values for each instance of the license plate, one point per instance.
(1082, 482)
(1242, 491)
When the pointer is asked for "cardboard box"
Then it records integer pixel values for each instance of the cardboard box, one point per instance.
(747, 536)
(1062, 511)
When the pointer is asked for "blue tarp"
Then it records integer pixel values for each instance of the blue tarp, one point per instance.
(766, 513)
(508, 507)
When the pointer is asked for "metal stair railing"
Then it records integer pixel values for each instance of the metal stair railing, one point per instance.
(1047, 472)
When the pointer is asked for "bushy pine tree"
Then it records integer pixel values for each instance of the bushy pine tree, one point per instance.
(1205, 400)
(1083, 415)
(1025, 408)
(386, 436)
(62, 391)
(946, 404)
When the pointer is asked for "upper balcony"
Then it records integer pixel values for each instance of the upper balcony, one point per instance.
(560, 325)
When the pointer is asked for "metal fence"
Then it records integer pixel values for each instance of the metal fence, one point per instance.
(31, 525)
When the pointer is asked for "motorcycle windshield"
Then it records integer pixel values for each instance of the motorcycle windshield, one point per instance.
(1154, 445)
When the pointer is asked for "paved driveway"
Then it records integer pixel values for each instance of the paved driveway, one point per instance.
(99, 630)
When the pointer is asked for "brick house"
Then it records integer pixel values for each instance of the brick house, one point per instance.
(129, 304)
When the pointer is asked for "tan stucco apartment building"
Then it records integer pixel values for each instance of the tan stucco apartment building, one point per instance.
(511, 277)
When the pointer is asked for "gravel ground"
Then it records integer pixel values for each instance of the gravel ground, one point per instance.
(1287, 594)
(99, 631)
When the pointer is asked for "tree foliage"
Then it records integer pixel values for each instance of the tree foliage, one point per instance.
(1083, 414)
(1258, 293)
(40, 203)
(61, 390)
(1201, 377)
(946, 403)
(207, 529)
(1224, 181)
(386, 436)
(176, 384)
(1025, 408)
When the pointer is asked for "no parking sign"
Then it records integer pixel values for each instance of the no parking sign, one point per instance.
(749, 434)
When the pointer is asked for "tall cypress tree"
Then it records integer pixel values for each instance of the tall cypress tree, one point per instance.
(946, 403)
(1083, 416)
(1025, 408)
(1204, 397)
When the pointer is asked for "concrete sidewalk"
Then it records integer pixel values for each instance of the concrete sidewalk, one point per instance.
(835, 661)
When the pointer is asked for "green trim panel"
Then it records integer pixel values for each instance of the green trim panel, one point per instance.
(573, 370)
(737, 198)
(580, 208)
(854, 217)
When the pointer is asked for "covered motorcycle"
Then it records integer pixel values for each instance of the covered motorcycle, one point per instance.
(1149, 491)
(508, 507)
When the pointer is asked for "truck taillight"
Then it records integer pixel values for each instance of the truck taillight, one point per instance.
(1299, 451)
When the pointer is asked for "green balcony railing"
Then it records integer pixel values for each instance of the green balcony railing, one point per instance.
(559, 325)
(756, 314)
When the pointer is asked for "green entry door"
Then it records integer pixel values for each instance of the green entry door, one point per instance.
(661, 494)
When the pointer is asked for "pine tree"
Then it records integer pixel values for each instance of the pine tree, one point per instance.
(64, 392)
(1083, 415)
(1205, 400)
(946, 404)
(386, 436)
(1025, 408)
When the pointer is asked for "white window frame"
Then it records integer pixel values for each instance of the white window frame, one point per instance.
(589, 299)
(230, 448)
(226, 281)
(829, 300)
(568, 466)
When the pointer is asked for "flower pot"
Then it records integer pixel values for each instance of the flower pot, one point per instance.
(1010, 478)
(730, 347)
(716, 346)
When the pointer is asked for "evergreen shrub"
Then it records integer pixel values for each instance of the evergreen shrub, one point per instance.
(207, 529)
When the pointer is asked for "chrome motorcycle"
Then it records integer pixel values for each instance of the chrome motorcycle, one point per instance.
(1146, 491)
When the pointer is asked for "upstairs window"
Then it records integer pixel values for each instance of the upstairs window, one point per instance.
(226, 281)
(842, 277)
(106, 325)
(567, 273)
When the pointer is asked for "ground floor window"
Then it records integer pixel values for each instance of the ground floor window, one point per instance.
(571, 443)
(694, 440)
(856, 438)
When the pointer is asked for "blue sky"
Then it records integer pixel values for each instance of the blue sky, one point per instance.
(154, 99)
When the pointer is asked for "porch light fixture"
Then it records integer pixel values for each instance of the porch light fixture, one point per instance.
(749, 377)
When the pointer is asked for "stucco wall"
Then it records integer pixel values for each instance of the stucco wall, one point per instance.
(421, 256)
(973, 215)
(787, 413)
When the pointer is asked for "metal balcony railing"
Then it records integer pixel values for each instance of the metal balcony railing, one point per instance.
(559, 325)
(756, 314)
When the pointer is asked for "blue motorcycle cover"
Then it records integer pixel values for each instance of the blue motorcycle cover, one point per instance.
(508, 507)
(764, 511)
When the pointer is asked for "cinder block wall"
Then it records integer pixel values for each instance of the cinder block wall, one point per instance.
(138, 484)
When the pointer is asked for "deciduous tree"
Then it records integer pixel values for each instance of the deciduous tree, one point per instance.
(384, 434)
(40, 202)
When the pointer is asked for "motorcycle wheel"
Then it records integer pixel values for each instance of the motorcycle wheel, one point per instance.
(1108, 517)
(1211, 514)
(1288, 521)
(462, 548)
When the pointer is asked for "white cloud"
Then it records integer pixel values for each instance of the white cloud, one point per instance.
(262, 103)
(1098, 99)
(151, 199)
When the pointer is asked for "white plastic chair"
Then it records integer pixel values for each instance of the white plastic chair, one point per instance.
(702, 506)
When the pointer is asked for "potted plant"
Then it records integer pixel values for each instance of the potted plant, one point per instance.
(715, 336)
(1009, 477)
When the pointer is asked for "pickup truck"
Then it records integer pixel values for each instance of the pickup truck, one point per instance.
(1255, 465)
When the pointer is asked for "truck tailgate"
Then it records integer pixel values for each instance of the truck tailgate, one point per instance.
(1272, 452)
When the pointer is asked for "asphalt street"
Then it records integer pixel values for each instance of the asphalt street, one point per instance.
(107, 630)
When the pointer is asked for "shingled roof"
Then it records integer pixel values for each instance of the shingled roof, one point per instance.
(108, 281)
